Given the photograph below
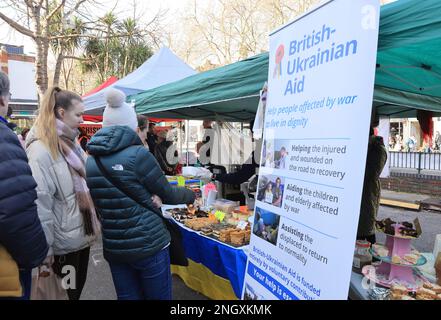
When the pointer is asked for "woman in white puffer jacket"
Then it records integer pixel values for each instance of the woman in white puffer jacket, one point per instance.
(64, 204)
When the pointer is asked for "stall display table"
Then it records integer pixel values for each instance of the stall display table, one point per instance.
(215, 269)
(358, 291)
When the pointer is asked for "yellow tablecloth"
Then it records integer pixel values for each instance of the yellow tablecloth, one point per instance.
(201, 279)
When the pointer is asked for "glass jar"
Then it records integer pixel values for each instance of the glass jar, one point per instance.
(362, 256)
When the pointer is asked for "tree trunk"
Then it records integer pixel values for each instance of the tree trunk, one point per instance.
(57, 72)
(41, 77)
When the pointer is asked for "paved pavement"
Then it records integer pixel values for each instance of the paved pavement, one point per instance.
(430, 225)
(99, 285)
(403, 196)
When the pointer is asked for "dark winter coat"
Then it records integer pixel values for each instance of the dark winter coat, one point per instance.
(375, 162)
(130, 231)
(20, 228)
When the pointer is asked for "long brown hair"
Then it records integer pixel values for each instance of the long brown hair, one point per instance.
(45, 124)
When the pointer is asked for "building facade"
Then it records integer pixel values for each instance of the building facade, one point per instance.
(21, 71)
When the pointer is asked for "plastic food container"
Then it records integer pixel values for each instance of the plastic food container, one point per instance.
(224, 205)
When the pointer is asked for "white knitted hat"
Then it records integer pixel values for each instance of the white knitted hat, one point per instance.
(118, 112)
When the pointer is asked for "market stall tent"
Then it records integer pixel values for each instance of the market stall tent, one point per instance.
(163, 67)
(408, 75)
(105, 84)
(95, 119)
(230, 93)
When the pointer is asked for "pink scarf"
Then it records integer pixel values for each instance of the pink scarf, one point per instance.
(73, 155)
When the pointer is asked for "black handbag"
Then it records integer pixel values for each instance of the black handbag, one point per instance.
(176, 248)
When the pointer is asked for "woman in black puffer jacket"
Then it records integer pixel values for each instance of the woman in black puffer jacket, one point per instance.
(135, 238)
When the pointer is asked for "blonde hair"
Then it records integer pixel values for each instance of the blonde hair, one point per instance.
(45, 124)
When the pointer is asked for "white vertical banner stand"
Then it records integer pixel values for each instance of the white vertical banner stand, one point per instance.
(317, 119)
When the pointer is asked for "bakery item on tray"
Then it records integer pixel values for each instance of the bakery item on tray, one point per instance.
(398, 289)
(432, 286)
(407, 224)
(407, 232)
(397, 292)
(206, 231)
(224, 235)
(191, 209)
(411, 258)
(426, 294)
(396, 259)
(237, 237)
(380, 250)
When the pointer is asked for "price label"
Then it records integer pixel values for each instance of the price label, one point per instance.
(242, 225)
(181, 181)
(220, 215)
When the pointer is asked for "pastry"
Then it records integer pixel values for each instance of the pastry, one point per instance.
(406, 297)
(390, 230)
(436, 288)
(389, 221)
(206, 231)
(191, 209)
(426, 294)
(237, 237)
(432, 286)
(380, 250)
(411, 258)
(396, 259)
(408, 232)
(407, 224)
(398, 289)
(395, 296)
(379, 224)
(225, 235)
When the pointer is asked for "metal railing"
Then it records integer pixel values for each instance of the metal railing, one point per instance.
(415, 160)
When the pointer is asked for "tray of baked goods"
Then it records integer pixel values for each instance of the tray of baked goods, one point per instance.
(222, 232)
(208, 225)
(412, 259)
(403, 230)
(189, 213)
(373, 273)
(428, 291)
(228, 234)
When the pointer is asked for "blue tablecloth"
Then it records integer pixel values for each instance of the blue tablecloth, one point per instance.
(223, 260)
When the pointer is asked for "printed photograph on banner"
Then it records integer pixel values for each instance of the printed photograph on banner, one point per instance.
(268, 153)
(250, 293)
(271, 190)
(266, 225)
(275, 154)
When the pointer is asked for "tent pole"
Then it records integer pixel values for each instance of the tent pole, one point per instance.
(187, 131)
(180, 137)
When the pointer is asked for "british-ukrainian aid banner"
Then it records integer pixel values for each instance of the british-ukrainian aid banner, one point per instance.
(321, 81)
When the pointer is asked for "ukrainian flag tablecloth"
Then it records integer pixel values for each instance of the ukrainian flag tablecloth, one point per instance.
(215, 269)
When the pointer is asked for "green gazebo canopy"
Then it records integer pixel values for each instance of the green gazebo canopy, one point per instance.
(408, 75)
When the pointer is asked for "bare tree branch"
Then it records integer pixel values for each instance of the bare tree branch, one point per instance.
(51, 14)
(78, 58)
(17, 26)
(75, 8)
